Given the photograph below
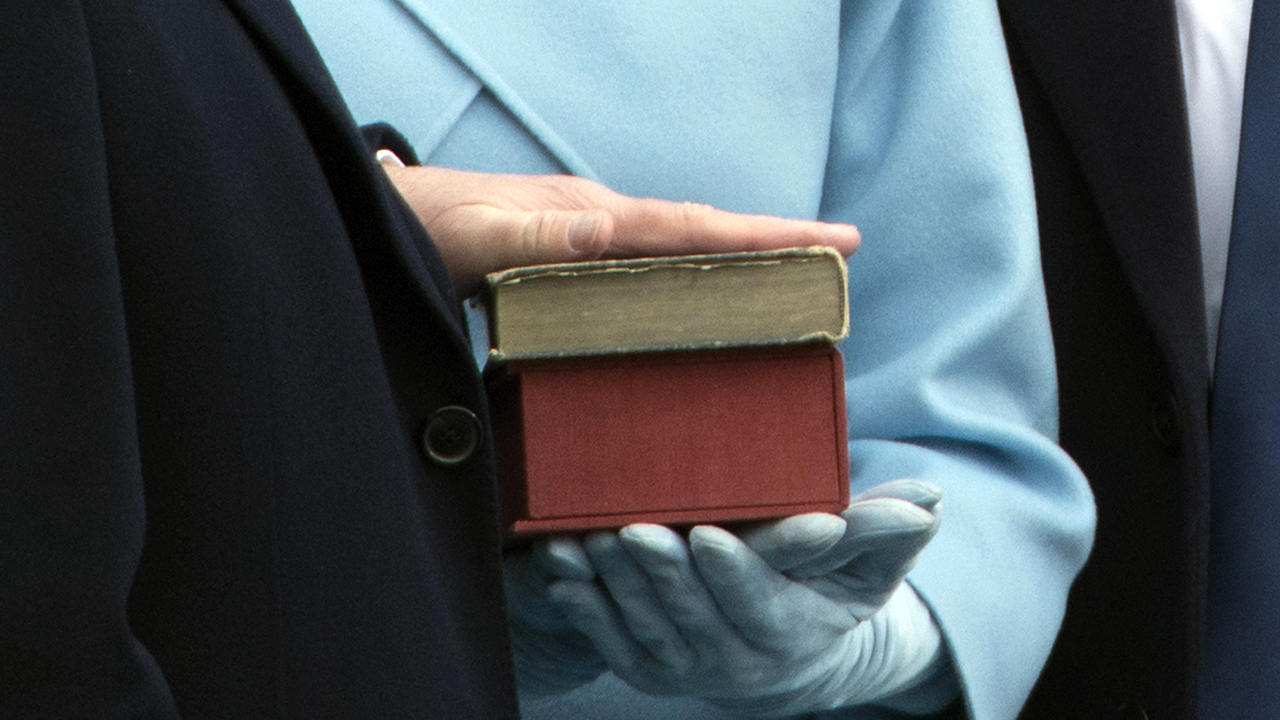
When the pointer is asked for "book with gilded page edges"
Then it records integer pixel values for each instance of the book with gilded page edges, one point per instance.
(701, 389)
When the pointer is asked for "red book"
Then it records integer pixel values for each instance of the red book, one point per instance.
(677, 438)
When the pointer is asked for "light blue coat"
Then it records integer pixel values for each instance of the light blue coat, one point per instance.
(896, 115)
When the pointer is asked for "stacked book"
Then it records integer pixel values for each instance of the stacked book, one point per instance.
(680, 390)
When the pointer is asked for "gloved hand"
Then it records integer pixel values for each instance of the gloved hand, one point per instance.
(801, 614)
(551, 657)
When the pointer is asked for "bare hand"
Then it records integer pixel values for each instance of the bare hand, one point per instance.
(483, 222)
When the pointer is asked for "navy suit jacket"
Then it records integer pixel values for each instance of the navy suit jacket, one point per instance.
(221, 335)
(1101, 91)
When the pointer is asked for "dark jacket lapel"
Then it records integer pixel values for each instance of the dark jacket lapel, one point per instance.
(1112, 73)
(1101, 91)
(355, 178)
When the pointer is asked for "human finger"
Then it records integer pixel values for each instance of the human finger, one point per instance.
(767, 608)
(589, 610)
(645, 226)
(795, 540)
(890, 526)
(475, 240)
(665, 558)
(917, 492)
(564, 557)
(638, 604)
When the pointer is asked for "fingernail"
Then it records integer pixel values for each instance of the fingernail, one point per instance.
(841, 236)
(583, 229)
(386, 157)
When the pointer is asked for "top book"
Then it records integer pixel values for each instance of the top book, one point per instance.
(692, 302)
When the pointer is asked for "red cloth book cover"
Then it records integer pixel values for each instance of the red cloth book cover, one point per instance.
(677, 438)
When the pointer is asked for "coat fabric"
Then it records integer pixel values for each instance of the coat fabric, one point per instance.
(899, 117)
(221, 334)
(1101, 89)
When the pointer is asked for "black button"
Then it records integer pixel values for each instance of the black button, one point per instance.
(1131, 711)
(452, 436)
(1166, 422)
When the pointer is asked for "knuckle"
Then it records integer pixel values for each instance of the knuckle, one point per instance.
(691, 212)
(572, 192)
(534, 235)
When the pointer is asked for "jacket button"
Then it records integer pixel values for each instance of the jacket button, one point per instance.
(452, 436)
(1165, 423)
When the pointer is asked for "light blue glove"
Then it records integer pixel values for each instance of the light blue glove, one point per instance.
(551, 657)
(802, 614)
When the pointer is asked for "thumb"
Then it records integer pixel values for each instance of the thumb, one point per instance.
(478, 239)
(552, 236)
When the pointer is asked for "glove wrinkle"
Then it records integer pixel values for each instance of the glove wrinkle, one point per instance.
(803, 614)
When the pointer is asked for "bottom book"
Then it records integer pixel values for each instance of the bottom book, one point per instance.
(677, 438)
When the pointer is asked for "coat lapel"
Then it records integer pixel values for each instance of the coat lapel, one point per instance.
(660, 97)
(460, 39)
(1112, 71)
(281, 37)
(351, 172)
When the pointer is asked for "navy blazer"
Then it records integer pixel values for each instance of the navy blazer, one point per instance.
(221, 336)
(1102, 97)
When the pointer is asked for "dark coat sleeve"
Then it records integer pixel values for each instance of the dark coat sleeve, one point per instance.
(382, 136)
(71, 500)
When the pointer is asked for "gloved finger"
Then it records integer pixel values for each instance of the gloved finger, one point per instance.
(591, 612)
(550, 656)
(889, 526)
(766, 608)
(887, 535)
(793, 541)
(638, 605)
(563, 557)
(528, 571)
(529, 604)
(917, 492)
(665, 557)
(892, 543)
